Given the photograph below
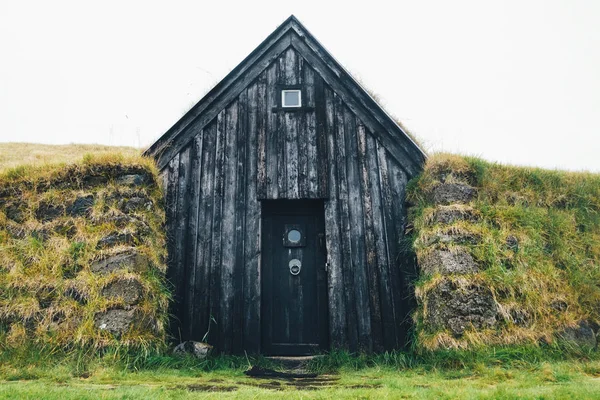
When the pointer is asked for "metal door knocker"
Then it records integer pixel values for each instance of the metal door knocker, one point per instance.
(295, 266)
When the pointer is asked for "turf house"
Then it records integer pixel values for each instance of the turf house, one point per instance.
(285, 190)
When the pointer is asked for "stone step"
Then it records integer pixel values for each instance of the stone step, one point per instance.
(292, 362)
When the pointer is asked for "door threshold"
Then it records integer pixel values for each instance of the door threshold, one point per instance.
(293, 362)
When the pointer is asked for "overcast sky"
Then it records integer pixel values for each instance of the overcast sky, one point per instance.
(511, 81)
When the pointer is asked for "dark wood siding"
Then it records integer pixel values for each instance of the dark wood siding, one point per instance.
(252, 151)
(289, 165)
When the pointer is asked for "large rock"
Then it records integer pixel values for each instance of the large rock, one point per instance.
(445, 262)
(91, 180)
(114, 239)
(14, 211)
(458, 305)
(449, 214)
(129, 259)
(48, 212)
(135, 204)
(451, 236)
(449, 173)
(448, 193)
(133, 179)
(115, 321)
(128, 290)
(581, 335)
(81, 206)
(197, 349)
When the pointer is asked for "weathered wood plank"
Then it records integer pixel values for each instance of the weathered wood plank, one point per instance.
(290, 67)
(302, 139)
(387, 295)
(369, 240)
(171, 217)
(357, 243)
(291, 155)
(347, 267)
(193, 192)
(336, 288)
(281, 139)
(252, 232)
(262, 117)
(290, 77)
(240, 224)
(311, 133)
(323, 150)
(389, 214)
(398, 181)
(217, 250)
(179, 263)
(204, 240)
(228, 228)
(163, 179)
(273, 137)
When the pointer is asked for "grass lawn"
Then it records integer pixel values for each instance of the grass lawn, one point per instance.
(542, 380)
(35, 154)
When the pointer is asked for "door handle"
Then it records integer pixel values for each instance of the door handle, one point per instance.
(295, 266)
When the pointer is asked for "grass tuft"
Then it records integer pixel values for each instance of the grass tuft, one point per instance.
(535, 235)
(53, 218)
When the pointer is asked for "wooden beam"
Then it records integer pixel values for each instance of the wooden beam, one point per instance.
(193, 192)
(252, 239)
(337, 307)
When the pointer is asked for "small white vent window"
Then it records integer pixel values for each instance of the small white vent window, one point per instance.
(291, 98)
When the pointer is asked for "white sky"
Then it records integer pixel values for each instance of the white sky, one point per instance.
(513, 81)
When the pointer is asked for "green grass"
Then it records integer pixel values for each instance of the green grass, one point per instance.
(432, 376)
(550, 280)
(48, 293)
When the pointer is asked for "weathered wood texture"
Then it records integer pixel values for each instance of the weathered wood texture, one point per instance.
(291, 34)
(252, 151)
(289, 150)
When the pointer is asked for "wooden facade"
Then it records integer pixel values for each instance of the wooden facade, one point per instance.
(238, 149)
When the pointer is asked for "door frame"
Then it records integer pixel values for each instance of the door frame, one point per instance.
(295, 207)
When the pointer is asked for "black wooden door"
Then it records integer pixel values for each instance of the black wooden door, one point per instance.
(294, 289)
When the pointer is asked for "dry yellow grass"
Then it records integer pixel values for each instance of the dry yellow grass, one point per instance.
(49, 293)
(549, 280)
(35, 154)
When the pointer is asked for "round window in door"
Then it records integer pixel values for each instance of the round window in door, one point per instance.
(294, 236)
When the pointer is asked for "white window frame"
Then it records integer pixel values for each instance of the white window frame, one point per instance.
(284, 91)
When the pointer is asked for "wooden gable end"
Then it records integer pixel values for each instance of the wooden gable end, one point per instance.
(269, 55)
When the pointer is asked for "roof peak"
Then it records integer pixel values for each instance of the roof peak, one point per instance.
(291, 33)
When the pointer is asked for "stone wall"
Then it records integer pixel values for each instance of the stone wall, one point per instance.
(488, 275)
(82, 256)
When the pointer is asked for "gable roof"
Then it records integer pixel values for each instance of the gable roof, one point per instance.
(291, 33)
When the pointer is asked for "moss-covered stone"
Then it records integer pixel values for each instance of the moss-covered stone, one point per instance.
(458, 305)
(446, 262)
(74, 269)
(128, 259)
(127, 290)
(535, 236)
